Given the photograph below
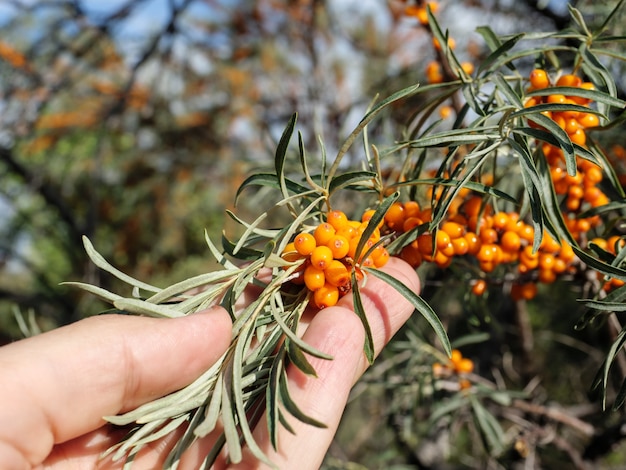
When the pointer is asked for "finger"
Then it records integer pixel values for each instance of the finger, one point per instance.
(63, 382)
(338, 332)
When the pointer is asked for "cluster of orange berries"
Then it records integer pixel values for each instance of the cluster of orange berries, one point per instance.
(581, 191)
(329, 254)
(572, 121)
(456, 365)
(491, 238)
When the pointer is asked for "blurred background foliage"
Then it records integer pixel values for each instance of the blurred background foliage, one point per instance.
(133, 123)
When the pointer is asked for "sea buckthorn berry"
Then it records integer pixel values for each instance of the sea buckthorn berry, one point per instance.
(488, 235)
(546, 261)
(445, 112)
(615, 241)
(580, 99)
(465, 366)
(460, 245)
(571, 125)
(451, 43)
(560, 266)
(380, 255)
(290, 253)
(411, 209)
(479, 287)
(473, 243)
(425, 244)
(314, 278)
(526, 232)
(337, 219)
(339, 245)
(528, 290)
(321, 257)
(547, 276)
(304, 243)
(411, 255)
(453, 229)
(326, 296)
(467, 67)
(348, 231)
(410, 223)
(455, 357)
(323, 233)
(486, 253)
(338, 274)
(442, 239)
(510, 241)
(539, 79)
(569, 80)
(579, 137)
(588, 120)
(556, 99)
(433, 72)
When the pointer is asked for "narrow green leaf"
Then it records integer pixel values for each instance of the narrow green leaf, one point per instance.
(297, 357)
(103, 264)
(360, 311)
(281, 152)
(350, 178)
(562, 138)
(603, 305)
(141, 307)
(420, 305)
(374, 221)
(269, 180)
(99, 292)
(488, 425)
(271, 398)
(601, 266)
(499, 53)
(291, 406)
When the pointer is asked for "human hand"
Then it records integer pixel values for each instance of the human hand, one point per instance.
(57, 386)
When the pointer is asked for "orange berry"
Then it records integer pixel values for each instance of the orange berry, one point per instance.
(560, 266)
(451, 43)
(588, 120)
(326, 296)
(304, 243)
(526, 232)
(433, 72)
(290, 253)
(380, 255)
(337, 219)
(579, 137)
(510, 241)
(460, 245)
(411, 255)
(321, 257)
(556, 99)
(394, 217)
(314, 278)
(445, 112)
(465, 366)
(467, 67)
(473, 243)
(547, 276)
(453, 229)
(569, 80)
(479, 287)
(425, 244)
(529, 290)
(339, 245)
(546, 261)
(338, 274)
(613, 242)
(539, 79)
(411, 209)
(323, 233)
(486, 253)
(580, 99)
(488, 235)
(455, 357)
(411, 223)
(571, 125)
(442, 239)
